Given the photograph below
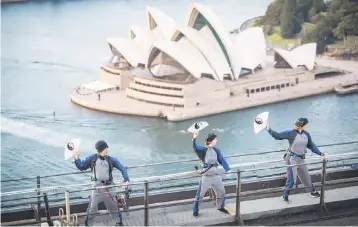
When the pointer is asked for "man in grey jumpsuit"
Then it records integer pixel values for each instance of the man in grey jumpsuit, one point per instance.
(101, 166)
(210, 156)
(299, 140)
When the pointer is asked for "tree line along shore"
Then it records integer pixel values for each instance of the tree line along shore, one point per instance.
(333, 25)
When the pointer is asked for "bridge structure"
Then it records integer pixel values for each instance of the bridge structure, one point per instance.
(167, 200)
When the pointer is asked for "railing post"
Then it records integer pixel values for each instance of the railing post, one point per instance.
(323, 180)
(47, 211)
(36, 213)
(238, 218)
(146, 204)
(68, 207)
(38, 186)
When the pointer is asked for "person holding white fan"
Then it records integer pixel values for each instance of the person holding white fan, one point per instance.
(102, 165)
(299, 139)
(211, 157)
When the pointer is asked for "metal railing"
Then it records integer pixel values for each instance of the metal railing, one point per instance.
(38, 178)
(170, 162)
(184, 175)
(171, 177)
(238, 195)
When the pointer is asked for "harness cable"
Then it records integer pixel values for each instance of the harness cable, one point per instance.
(122, 200)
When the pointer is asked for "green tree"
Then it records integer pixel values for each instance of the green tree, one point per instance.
(268, 30)
(273, 13)
(319, 5)
(302, 8)
(287, 23)
(296, 25)
(340, 20)
(316, 18)
(333, 19)
(321, 34)
(335, 5)
(312, 13)
(348, 26)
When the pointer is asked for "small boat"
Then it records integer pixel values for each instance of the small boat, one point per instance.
(346, 88)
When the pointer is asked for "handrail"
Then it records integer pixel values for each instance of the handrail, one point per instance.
(173, 177)
(86, 189)
(146, 206)
(172, 162)
(233, 156)
(181, 176)
(159, 178)
(168, 177)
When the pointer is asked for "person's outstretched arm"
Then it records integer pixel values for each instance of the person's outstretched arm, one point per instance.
(222, 160)
(121, 168)
(312, 146)
(198, 149)
(279, 135)
(83, 164)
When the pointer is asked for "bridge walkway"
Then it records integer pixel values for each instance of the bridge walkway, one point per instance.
(250, 209)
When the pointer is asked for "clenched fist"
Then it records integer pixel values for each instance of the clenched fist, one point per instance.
(195, 134)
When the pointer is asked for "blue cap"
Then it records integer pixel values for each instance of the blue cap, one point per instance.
(301, 122)
(210, 137)
(101, 145)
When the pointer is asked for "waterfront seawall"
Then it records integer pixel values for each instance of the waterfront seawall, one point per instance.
(117, 102)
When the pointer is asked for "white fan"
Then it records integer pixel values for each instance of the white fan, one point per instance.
(197, 126)
(260, 122)
(71, 147)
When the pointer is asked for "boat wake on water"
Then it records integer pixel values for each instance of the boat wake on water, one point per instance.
(56, 139)
(39, 134)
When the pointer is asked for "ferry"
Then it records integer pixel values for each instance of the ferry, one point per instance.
(347, 88)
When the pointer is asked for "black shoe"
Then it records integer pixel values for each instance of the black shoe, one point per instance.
(223, 210)
(195, 213)
(285, 199)
(315, 194)
(119, 224)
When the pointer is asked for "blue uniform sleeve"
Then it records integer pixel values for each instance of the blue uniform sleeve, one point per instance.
(199, 150)
(222, 160)
(121, 168)
(279, 135)
(84, 164)
(311, 145)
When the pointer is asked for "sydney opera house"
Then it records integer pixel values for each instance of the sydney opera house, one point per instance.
(179, 70)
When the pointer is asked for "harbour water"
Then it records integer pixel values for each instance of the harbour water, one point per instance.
(50, 47)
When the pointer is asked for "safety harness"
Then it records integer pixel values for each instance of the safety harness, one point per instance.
(127, 192)
(207, 166)
(93, 168)
(297, 155)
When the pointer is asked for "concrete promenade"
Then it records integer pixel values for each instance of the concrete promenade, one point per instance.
(117, 102)
(250, 210)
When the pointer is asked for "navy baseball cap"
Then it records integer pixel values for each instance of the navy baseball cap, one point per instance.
(301, 122)
(210, 137)
(101, 145)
